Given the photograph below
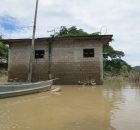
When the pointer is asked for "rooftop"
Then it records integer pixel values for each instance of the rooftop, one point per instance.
(92, 37)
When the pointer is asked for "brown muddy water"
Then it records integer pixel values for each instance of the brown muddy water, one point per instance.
(114, 106)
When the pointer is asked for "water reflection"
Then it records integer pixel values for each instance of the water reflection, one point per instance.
(108, 107)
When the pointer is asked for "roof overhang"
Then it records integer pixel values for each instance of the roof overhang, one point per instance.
(105, 39)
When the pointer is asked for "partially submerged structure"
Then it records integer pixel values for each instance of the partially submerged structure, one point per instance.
(71, 59)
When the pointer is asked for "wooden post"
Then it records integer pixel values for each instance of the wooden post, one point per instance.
(31, 59)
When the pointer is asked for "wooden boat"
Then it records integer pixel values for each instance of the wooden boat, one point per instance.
(18, 89)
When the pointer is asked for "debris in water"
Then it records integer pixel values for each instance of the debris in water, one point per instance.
(56, 90)
(87, 82)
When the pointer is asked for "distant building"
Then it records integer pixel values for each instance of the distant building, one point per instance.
(71, 59)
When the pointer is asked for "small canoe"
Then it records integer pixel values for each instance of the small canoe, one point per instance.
(19, 89)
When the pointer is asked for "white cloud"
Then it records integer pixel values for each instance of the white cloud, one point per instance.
(121, 18)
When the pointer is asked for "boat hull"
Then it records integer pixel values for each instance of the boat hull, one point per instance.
(12, 90)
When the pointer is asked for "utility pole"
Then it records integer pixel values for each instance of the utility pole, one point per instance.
(31, 59)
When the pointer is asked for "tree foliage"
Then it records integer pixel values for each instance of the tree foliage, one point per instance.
(109, 52)
(3, 50)
(113, 63)
(72, 31)
(116, 67)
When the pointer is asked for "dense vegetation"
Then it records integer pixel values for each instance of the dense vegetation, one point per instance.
(3, 51)
(113, 63)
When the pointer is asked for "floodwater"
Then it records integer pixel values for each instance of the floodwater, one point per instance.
(114, 106)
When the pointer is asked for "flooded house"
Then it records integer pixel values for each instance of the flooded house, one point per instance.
(71, 59)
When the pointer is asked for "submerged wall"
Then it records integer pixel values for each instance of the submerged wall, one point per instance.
(18, 63)
(69, 64)
(65, 61)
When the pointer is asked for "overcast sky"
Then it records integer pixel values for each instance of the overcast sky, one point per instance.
(118, 17)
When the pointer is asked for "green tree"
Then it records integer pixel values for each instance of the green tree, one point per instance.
(3, 50)
(113, 64)
(109, 52)
(72, 31)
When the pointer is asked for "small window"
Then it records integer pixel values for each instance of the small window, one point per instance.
(39, 54)
(88, 52)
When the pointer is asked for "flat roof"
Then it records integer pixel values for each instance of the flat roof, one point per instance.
(90, 37)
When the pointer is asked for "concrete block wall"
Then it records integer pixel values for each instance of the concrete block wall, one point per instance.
(70, 66)
(18, 64)
(40, 66)
(67, 61)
